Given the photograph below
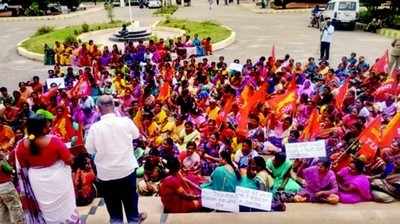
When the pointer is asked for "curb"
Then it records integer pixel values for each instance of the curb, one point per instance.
(225, 43)
(58, 17)
(28, 54)
(389, 33)
(274, 11)
(216, 47)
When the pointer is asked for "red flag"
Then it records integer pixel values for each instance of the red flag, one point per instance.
(243, 121)
(388, 88)
(382, 64)
(370, 138)
(258, 96)
(312, 129)
(164, 91)
(339, 99)
(391, 131)
(273, 53)
(226, 110)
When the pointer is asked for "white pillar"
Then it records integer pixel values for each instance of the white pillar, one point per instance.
(122, 3)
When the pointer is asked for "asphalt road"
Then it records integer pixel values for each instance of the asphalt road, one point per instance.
(256, 33)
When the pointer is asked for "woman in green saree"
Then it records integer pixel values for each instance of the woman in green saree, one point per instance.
(284, 178)
(225, 177)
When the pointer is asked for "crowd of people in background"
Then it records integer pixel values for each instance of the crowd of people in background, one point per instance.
(200, 124)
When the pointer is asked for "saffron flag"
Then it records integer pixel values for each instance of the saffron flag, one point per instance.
(164, 91)
(226, 110)
(313, 128)
(243, 121)
(382, 64)
(339, 99)
(391, 131)
(369, 138)
(279, 102)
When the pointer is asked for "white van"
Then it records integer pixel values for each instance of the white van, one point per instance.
(342, 12)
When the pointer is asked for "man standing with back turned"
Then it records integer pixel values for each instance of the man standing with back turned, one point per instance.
(110, 142)
(326, 40)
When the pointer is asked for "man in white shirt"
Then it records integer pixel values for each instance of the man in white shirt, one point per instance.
(326, 40)
(110, 142)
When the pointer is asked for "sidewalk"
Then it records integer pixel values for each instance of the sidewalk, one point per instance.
(302, 213)
(258, 10)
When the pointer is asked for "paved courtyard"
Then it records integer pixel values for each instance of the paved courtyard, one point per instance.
(256, 33)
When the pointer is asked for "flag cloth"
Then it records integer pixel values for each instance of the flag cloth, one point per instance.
(382, 65)
(339, 99)
(313, 128)
(391, 131)
(388, 88)
(273, 55)
(164, 91)
(369, 138)
(279, 102)
(225, 111)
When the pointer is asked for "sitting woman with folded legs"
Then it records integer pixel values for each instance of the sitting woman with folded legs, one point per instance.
(319, 184)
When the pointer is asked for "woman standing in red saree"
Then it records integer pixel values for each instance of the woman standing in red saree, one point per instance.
(43, 167)
(178, 194)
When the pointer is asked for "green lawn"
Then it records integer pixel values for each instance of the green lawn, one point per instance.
(36, 42)
(203, 29)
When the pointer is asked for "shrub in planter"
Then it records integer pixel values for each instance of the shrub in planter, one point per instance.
(85, 28)
(43, 30)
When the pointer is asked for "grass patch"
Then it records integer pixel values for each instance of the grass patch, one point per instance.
(166, 10)
(203, 29)
(36, 42)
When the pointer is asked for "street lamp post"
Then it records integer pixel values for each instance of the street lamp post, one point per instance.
(130, 12)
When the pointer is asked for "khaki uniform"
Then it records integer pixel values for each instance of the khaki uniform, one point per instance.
(10, 205)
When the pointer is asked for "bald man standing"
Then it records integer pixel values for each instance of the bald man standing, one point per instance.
(110, 142)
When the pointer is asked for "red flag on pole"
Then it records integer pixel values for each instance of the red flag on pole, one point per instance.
(339, 99)
(273, 55)
(312, 129)
(391, 131)
(370, 138)
(382, 64)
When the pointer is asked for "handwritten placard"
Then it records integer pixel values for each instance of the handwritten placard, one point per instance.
(303, 150)
(235, 67)
(254, 199)
(219, 200)
(58, 81)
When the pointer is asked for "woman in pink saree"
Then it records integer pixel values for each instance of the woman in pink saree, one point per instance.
(354, 186)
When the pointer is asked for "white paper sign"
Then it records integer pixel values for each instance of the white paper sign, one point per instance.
(235, 67)
(219, 200)
(303, 150)
(254, 199)
(58, 81)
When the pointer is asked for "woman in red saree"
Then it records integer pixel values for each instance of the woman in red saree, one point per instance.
(178, 194)
(62, 125)
(84, 56)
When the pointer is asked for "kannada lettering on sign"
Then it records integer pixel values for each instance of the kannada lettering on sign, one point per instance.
(304, 150)
(219, 200)
(254, 198)
(58, 81)
(235, 67)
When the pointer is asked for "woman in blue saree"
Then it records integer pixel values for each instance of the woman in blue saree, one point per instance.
(197, 43)
(225, 177)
